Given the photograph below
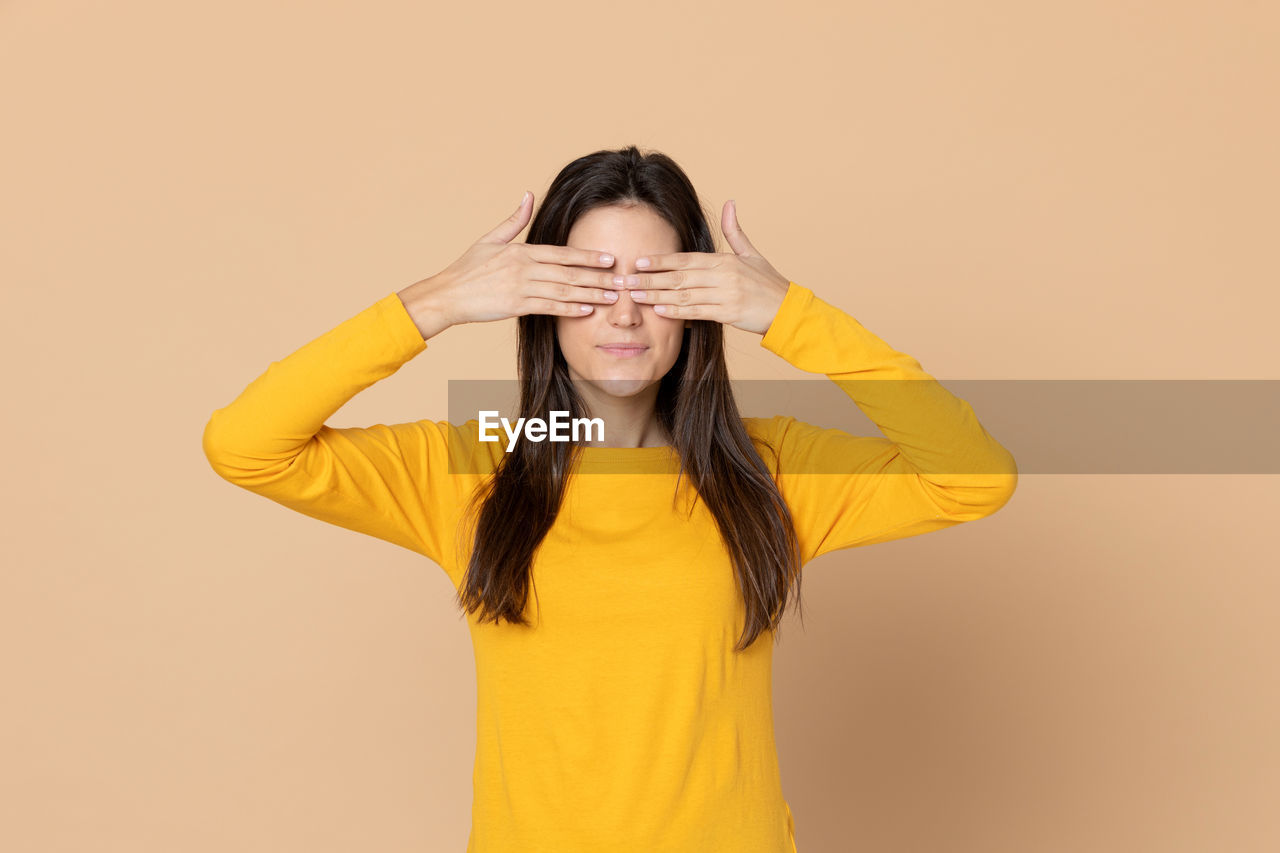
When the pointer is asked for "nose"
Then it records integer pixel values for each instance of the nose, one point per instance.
(624, 312)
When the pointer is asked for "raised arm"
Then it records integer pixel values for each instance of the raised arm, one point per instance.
(391, 482)
(936, 466)
(396, 482)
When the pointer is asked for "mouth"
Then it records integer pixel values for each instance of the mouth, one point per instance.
(623, 350)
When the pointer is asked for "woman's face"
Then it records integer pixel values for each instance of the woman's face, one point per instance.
(626, 233)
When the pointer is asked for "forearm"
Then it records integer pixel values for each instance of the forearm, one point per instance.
(273, 419)
(936, 432)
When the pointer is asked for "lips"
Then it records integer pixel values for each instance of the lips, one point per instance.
(623, 350)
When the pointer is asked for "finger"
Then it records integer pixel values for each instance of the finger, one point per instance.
(570, 293)
(682, 279)
(513, 224)
(540, 305)
(733, 231)
(568, 256)
(688, 312)
(678, 298)
(557, 274)
(674, 261)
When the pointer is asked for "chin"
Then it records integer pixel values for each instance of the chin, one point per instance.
(622, 387)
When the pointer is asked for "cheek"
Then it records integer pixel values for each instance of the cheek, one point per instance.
(675, 344)
(571, 335)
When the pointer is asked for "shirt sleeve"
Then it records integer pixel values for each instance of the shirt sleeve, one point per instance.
(936, 466)
(392, 482)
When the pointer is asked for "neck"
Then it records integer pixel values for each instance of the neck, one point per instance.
(628, 421)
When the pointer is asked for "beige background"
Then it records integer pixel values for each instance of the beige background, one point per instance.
(1001, 189)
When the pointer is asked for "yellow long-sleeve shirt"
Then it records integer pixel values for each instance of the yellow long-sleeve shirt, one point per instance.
(622, 720)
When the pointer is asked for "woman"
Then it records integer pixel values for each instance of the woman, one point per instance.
(626, 704)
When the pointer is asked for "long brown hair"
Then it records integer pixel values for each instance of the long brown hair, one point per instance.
(695, 406)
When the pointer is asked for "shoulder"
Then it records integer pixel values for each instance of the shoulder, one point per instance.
(767, 434)
(766, 427)
(461, 446)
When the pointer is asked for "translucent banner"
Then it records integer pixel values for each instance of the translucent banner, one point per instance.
(1056, 426)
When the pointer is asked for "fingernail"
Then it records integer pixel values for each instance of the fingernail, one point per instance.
(586, 308)
(637, 294)
(642, 262)
(606, 259)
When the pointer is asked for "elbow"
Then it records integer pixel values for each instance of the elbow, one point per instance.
(217, 450)
(1002, 491)
(969, 497)
(244, 459)
(1001, 486)
(214, 453)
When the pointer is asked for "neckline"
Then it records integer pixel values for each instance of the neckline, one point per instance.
(599, 451)
(627, 460)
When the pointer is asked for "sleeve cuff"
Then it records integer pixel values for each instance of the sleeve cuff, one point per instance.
(786, 323)
(402, 331)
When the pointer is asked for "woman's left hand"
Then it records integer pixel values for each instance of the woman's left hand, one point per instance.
(741, 289)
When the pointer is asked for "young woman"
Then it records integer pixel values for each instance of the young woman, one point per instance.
(626, 704)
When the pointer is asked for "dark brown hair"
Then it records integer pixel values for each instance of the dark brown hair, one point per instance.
(695, 406)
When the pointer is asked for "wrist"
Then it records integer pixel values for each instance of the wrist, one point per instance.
(422, 300)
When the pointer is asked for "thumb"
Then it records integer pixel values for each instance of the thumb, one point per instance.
(733, 231)
(513, 224)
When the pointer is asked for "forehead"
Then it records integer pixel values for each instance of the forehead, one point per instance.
(625, 231)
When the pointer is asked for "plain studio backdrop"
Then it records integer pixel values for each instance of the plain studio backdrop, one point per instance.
(1001, 190)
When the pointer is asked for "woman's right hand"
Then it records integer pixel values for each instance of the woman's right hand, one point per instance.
(496, 279)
